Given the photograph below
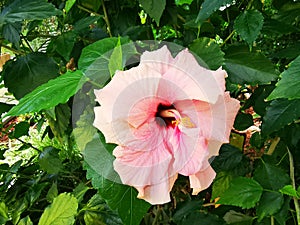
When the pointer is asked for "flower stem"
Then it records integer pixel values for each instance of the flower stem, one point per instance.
(292, 175)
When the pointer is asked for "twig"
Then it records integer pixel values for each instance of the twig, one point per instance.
(229, 36)
(13, 50)
(292, 175)
(106, 19)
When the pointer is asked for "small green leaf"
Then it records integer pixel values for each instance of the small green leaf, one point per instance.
(29, 72)
(3, 213)
(69, 5)
(48, 95)
(80, 191)
(182, 2)
(21, 129)
(209, 52)
(246, 67)
(237, 218)
(248, 25)
(243, 121)
(210, 6)
(269, 204)
(290, 191)
(154, 8)
(61, 211)
(52, 192)
(280, 113)
(50, 161)
(271, 177)
(288, 86)
(115, 61)
(243, 192)
(25, 221)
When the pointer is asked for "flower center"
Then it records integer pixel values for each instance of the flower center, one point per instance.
(167, 115)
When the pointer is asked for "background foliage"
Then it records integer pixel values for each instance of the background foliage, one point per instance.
(58, 48)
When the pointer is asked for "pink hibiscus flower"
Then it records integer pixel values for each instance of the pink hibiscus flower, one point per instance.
(168, 116)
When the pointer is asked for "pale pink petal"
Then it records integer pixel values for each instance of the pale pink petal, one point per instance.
(202, 179)
(158, 193)
(160, 60)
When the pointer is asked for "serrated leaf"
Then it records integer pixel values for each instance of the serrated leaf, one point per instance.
(50, 161)
(248, 25)
(119, 197)
(210, 6)
(243, 192)
(61, 211)
(246, 67)
(269, 204)
(237, 218)
(48, 95)
(20, 10)
(280, 113)
(271, 177)
(221, 184)
(25, 221)
(288, 86)
(29, 72)
(209, 52)
(115, 61)
(154, 8)
(290, 191)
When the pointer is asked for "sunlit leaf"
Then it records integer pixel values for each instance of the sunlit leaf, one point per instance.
(61, 211)
(154, 8)
(50, 94)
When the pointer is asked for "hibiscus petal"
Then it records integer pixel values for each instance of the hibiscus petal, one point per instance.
(159, 193)
(202, 179)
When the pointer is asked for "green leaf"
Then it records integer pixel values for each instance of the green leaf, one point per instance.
(119, 197)
(80, 191)
(210, 6)
(290, 191)
(182, 2)
(69, 5)
(29, 72)
(94, 59)
(288, 86)
(154, 8)
(283, 214)
(61, 211)
(52, 192)
(11, 32)
(208, 51)
(248, 25)
(246, 67)
(237, 218)
(115, 61)
(243, 192)
(84, 130)
(221, 184)
(25, 221)
(3, 213)
(269, 204)
(21, 129)
(20, 10)
(280, 113)
(183, 209)
(48, 95)
(4, 107)
(63, 45)
(50, 161)
(243, 121)
(271, 177)
(205, 218)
